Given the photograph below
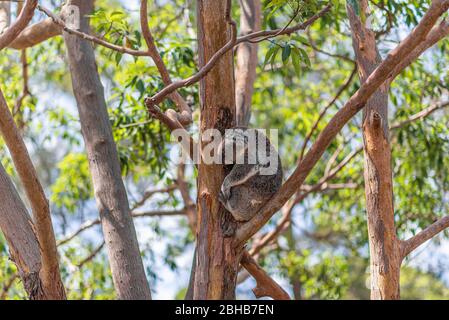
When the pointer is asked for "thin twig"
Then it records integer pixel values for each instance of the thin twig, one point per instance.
(234, 41)
(421, 115)
(91, 256)
(323, 113)
(8, 285)
(148, 194)
(185, 114)
(89, 224)
(428, 233)
(356, 103)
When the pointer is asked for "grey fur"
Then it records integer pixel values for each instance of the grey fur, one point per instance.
(245, 190)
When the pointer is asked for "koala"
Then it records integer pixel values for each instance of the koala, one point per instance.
(255, 174)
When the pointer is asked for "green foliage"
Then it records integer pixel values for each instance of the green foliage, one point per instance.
(90, 281)
(73, 185)
(325, 279)
(114, 28)
(301, 8)
(291, 50)
(7, 274)
(417, 285)
(335, 219)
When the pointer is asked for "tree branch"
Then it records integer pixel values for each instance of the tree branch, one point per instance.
(323, 113)
(312, 45)
(356, 103)
(17, 110)
(149, 194)
(91, 256)
(17, 27)
(245, 69)
(36, 34)
(436, 34)
(185, 115)
(333, 186)
(161, 95)
(17, 228)
(60, 22)
(5, 15)
(266, 286)
(289, 206)
(92, 223)
(269, 237)
(408, 246)
(421, 115)
(35, 193)
(8, 285)
(285, 31)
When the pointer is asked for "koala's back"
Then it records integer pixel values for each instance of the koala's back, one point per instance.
(268, 184)
(244, 203)
(252, 185)
(248, 198)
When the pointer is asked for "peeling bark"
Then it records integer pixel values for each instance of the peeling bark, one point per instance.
(217, 261)
(384, 245)
(17, 227)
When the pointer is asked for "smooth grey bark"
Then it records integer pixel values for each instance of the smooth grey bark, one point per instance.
(119, 232)
(245, 71)
(17, 227)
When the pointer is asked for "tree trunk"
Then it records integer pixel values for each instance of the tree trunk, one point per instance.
(250, 21)
(50, 283)
(50, 274)
(17, 227)
(119, 232)
(217, 261)
(384, 245)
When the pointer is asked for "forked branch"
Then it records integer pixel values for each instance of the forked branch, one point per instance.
(356, 103)
(161, 95)
(266, 286)
(17, 27)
